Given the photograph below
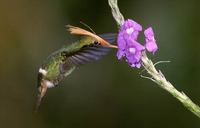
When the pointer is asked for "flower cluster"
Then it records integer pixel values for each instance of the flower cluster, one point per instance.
(129, 47)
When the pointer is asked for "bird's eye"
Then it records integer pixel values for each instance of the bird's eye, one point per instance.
(96, 43)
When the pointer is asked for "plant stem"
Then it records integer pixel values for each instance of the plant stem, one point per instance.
(115, 12)
(160, 79)
(157, 76)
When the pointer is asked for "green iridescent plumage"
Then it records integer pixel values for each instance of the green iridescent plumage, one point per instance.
(62, 62)
(65, 60)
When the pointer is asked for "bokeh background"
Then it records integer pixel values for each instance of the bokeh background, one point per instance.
(107, 93)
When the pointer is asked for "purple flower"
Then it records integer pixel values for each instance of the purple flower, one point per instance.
(150, 45)
(121, 42)
(133, 53)
(128, 45)
(131, 29)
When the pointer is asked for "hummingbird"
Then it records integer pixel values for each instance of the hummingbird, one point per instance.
(63, 62)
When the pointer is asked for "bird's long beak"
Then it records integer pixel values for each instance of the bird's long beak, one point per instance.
(42, 89)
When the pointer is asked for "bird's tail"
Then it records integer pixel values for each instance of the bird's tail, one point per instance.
(42, 89)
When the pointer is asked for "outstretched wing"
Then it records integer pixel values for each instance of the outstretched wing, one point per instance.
(88, 53)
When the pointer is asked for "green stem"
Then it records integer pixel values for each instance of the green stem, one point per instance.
(157, 76)
(160, 79)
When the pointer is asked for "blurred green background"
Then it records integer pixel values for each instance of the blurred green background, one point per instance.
(107, 93)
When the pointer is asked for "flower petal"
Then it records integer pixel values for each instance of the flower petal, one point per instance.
(131, 29)
(120, 54)
(133, 53)
(128, 46)
(121, 42)
(150, 45)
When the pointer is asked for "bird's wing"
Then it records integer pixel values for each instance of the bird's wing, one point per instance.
(88, 53)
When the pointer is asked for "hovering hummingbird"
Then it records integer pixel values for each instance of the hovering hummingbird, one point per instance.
(62, 62)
